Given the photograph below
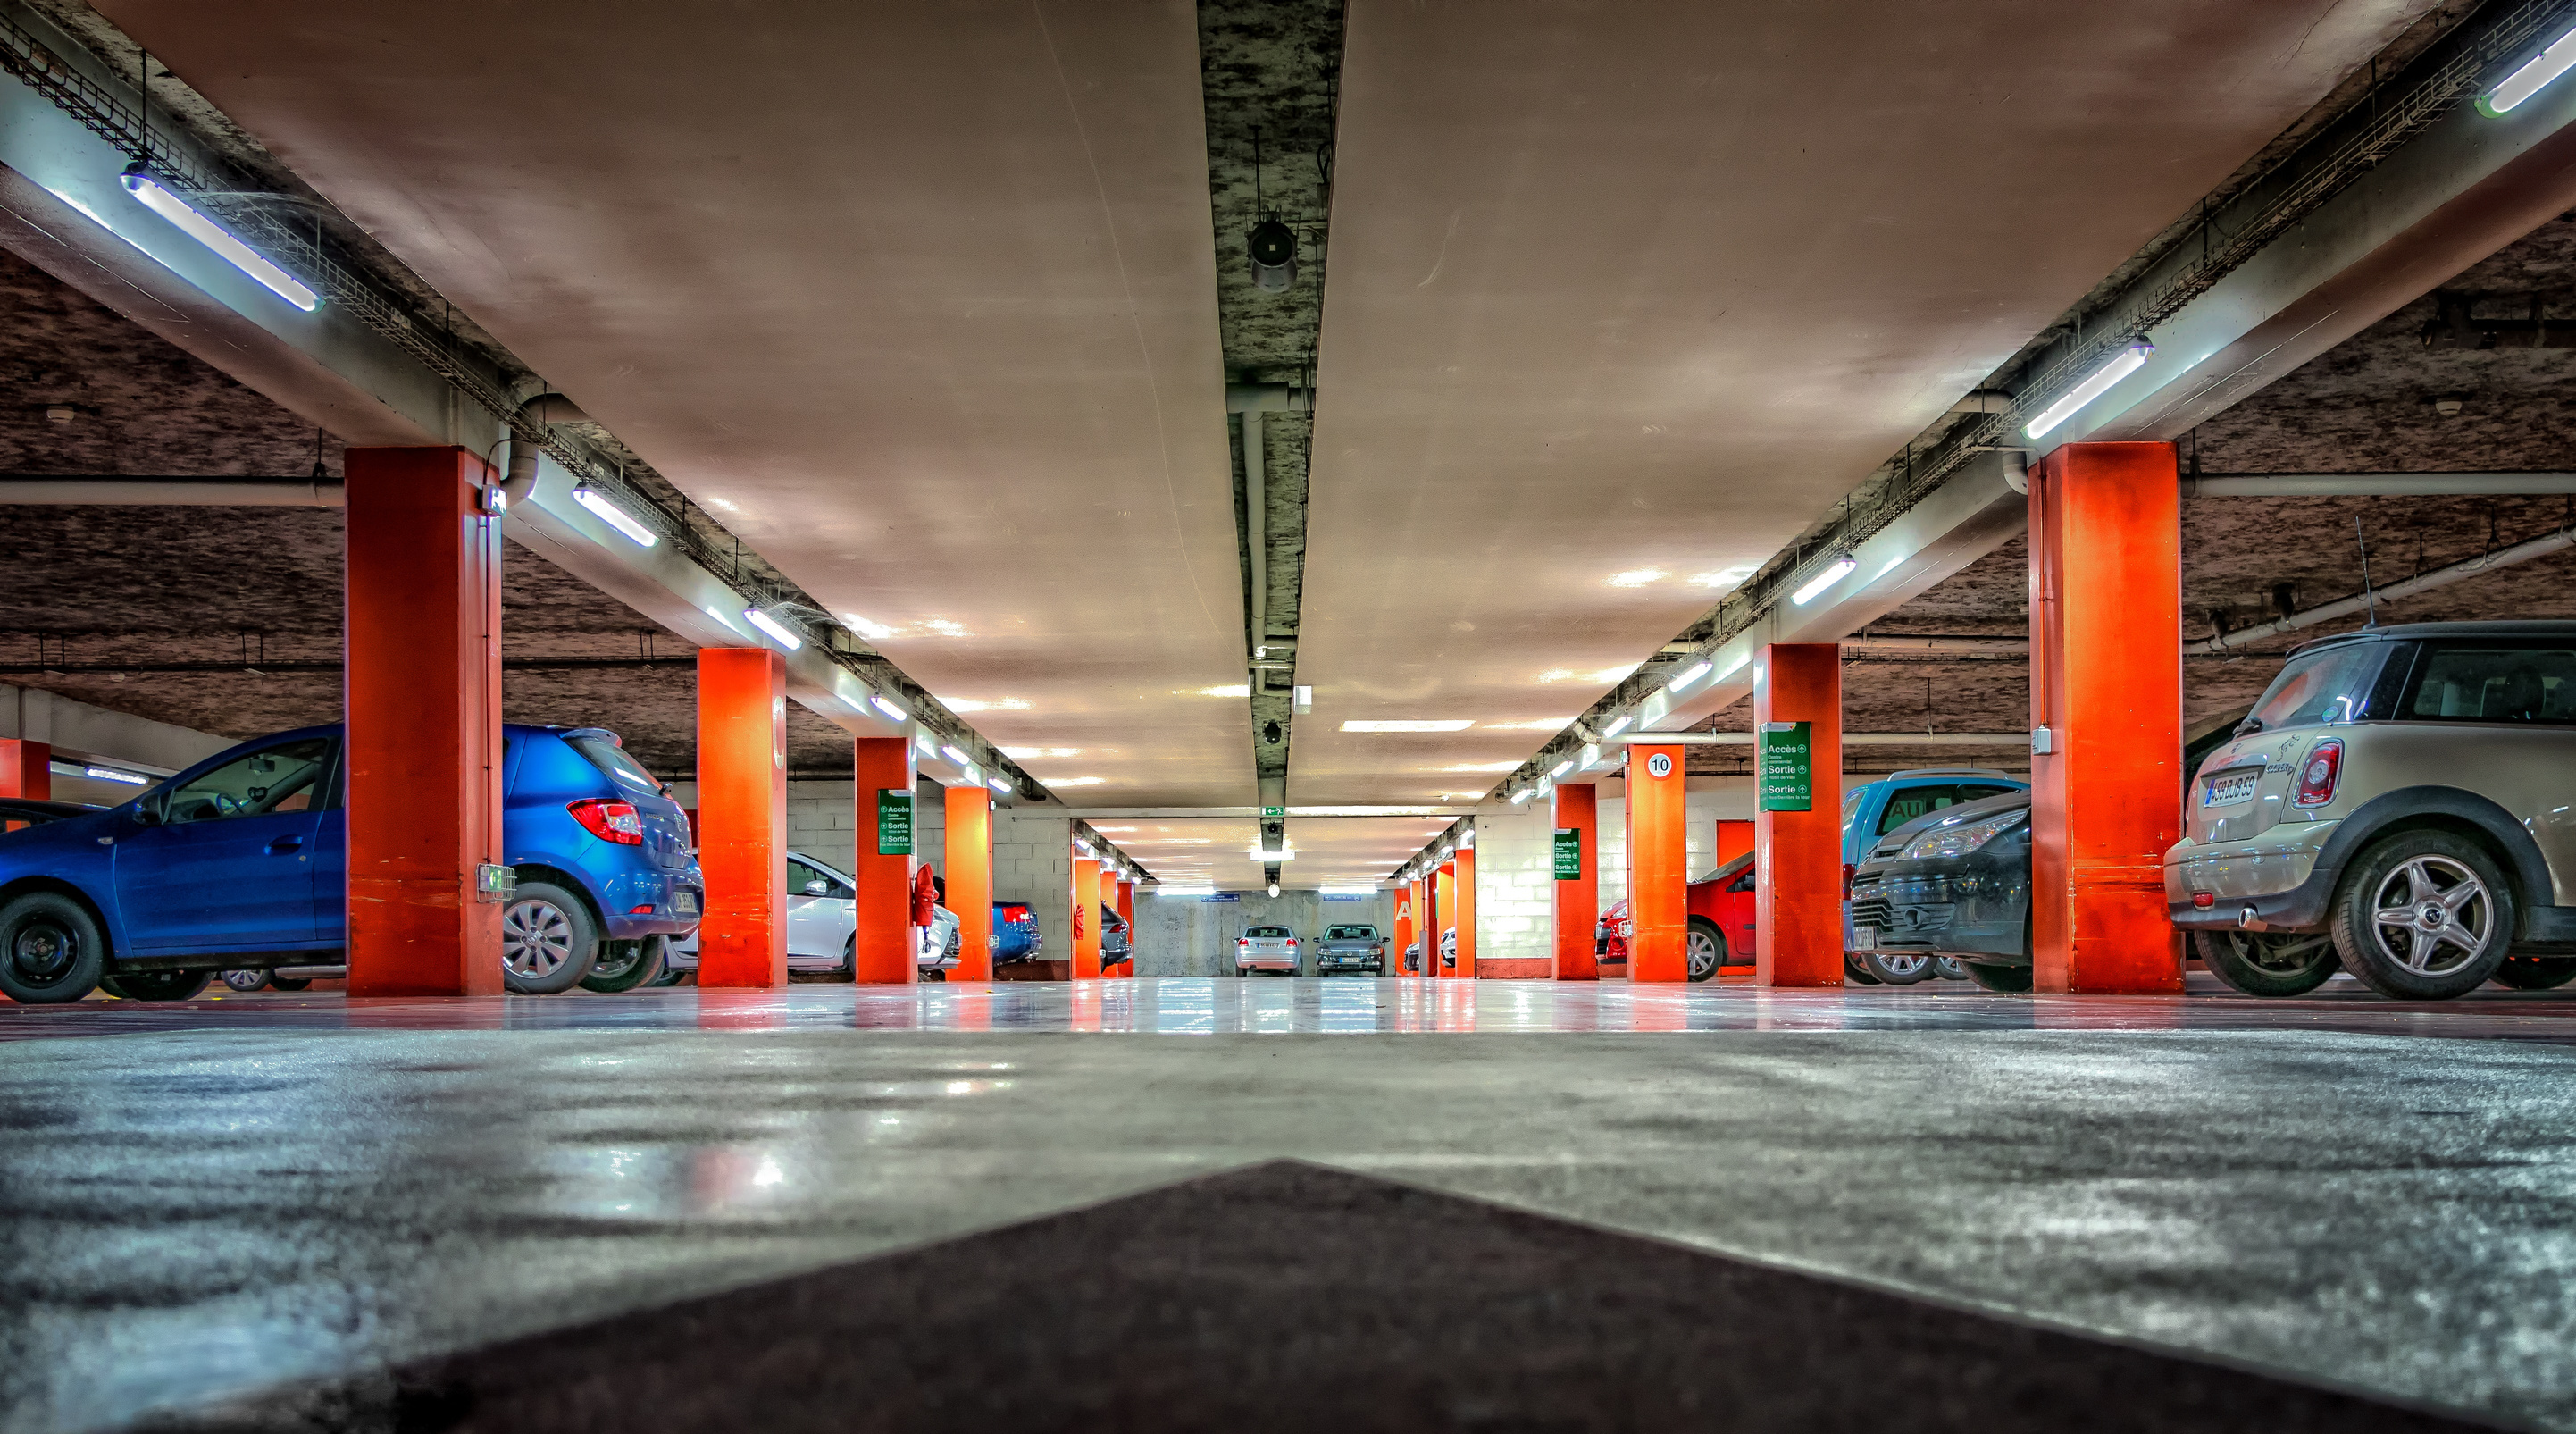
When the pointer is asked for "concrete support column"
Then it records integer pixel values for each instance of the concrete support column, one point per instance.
(1401, 928)
(885, 783)
(1444, 904)
(1658, 863)
(2106, 715)
(1578, 897)
(742, 816)
(1126, 904)
(423, 750)
(968, 856)
(1086, 918)
(1466, 899)
(26, 769)
(1734, 839)
(1797, 836)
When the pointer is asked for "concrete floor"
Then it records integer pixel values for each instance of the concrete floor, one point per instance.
(207, 1199)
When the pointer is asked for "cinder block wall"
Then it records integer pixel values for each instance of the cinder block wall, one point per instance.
(1033, 862)
(1515, 882)
(1191, 936)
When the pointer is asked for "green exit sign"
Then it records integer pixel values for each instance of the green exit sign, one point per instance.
(1274, 811)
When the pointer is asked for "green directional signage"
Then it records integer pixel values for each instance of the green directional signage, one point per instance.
(1569, 854)
(1274, 811)
(894, 822)
(1783, 767)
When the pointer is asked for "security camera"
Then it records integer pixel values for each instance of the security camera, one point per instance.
(1273, 250)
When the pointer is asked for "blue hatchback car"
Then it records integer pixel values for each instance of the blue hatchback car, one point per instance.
(241, 862)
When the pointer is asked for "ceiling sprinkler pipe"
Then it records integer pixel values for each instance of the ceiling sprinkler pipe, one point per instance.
(2539, 547)
(177, 492)
(2374, 485)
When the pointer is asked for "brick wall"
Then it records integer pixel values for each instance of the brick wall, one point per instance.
(1515, 888)
(1033, 862)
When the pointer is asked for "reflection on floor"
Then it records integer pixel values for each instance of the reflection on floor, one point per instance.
(208, 1200)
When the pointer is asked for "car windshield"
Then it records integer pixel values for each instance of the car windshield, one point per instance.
(610, 758)
(2494, 684)
(2328, 686)
(1912, 802)
(1259, 933)
(1350, 933)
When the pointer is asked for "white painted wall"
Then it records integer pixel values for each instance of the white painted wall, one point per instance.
(1192, 936)
(1515, 882)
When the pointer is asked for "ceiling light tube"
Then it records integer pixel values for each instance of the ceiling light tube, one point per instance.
(1523, 795)
(2123, 364)
(1689, 675)
(950, 751)
(608, 511)
(2530, 77)
(140, 183)
(779, 632)
(1615, 728)
(878, 701)
(111, 774)
(1834, 572)
(1001, 785)
(1561, 768)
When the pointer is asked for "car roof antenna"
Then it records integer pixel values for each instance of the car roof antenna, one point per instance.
(2369, 598)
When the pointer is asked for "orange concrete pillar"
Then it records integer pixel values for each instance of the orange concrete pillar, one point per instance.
(1734, 839)
(1127, 913)
(1466, 911)
(2106, 689)
(1426, 923)
(1086, 918)
(1401, 933)
(1578, 897)
(1658, 863)
(1797, 827)
(26, 769)
(969, 859)
(1444, 910)
(742, 816)
(423, 751)
(887, 782)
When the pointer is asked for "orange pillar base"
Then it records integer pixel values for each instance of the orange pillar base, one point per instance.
(2106, 684)
(969, 859)
(1798, 855)
(742, 816)
(1658, 863)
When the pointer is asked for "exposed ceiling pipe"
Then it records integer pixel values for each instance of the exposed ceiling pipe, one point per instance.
(2373, 485)
(1975, 646)
(1256, 514)
(2540, 547)
(534, 417)
(1850, 739)
(1268, 398)
(177, 492)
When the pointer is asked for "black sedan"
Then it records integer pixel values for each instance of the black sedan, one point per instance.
(1953, 883)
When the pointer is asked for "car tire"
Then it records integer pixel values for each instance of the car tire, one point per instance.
(2400, 885)
(2010, 980)
(547, 940)
(1902, 971)
(635, 963)
(164, 985)
(289, 983)
(2535, 973)
(1703, 949)
(246, 981)
(1853, 968)
(2274, 964)
(51, 949)
(1950, 968)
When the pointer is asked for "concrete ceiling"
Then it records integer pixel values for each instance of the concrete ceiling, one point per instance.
(1624, 297)
(919, 299)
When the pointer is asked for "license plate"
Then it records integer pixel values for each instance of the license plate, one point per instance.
(1864, 938)
(2228, 788)
(684, 903)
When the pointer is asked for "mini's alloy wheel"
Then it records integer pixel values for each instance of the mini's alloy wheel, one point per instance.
(1706, 949)
(50, 949)
(547, 944)
(1899, 969)
(2269, 963)
(2423, 916)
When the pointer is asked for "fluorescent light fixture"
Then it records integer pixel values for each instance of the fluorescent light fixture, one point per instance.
(2527, 81)
(1615, 728)
(1000, 784)
(1688, 675)
(779, 632)
(2123, 364)
(140, 183)
(1835, 571)
(607, 511)
(1523, 795)
(1735, 667)
(1446, 853)
(1561, 768)
(949, 751)
(1274, 888)
(879, 701)
(1301, 699)
(111, 774)
(1444, 724)
(1083, 847)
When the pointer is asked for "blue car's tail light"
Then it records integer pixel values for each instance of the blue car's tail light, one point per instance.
(617, 822)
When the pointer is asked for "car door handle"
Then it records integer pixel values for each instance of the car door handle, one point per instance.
(286, 844)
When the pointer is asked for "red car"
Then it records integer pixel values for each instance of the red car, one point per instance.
(1721, 922)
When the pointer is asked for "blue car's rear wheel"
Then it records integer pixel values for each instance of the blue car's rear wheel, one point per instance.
(50, 949)
(547, 941)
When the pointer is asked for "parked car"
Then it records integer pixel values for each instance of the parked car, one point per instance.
(1449, 947)
(1016, 936)
(18, 814)
(1350, 948)
(240, 862)
(1954, 882)
(1266, 948)
(2395, 806)
(1117, 944)
(823, 926)
(1413, 956)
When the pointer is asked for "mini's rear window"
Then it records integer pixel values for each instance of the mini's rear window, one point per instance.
(2493, 684)
(611, 759)
(2332, 685)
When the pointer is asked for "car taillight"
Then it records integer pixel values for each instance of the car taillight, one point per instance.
(2319, 773)
(1243, 941)
(1848, 869)
(609, 821)
(1015, 913)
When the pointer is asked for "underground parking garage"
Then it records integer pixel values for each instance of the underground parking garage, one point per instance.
(1268, 715)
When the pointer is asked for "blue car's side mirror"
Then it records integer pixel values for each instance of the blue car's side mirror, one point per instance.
(145, 816)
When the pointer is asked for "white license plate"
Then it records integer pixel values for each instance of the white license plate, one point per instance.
(684, 903)
(2228, 788)
(1864, 938)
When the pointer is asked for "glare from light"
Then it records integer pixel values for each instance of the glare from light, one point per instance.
(1724, 577)
(1615, 728)
(2529, 79)
(949, 751)
(1835, 571)
(1267, 857)
(1001, 785)
(1236, 689)
(216, 237)
(1638, 577)
(2128, 361)
(778, 631)
(1687, 676)
(1523, 795)
(1076, 781)
(886, 705)
(865, 628)
(606, 509)
(1442, 724)
(1561, 768)
(1274, 889)
(111, 774)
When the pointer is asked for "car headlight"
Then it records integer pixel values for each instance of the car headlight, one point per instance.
(1960, 840)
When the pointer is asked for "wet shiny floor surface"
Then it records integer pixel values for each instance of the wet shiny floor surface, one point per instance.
(209, 1199)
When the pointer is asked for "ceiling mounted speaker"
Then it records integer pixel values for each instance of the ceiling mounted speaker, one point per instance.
(1273, 247)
